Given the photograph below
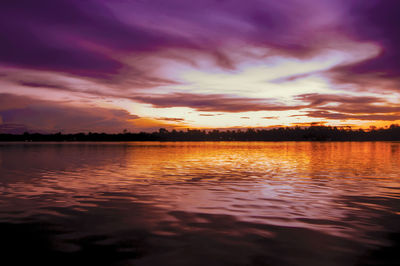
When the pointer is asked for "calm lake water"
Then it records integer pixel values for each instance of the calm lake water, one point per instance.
(200, 203)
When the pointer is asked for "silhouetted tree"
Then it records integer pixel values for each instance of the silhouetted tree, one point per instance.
(313, 133)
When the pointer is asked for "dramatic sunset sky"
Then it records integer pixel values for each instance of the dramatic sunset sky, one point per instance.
(105, 66)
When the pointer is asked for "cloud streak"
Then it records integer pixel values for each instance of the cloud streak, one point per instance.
(343, 116)
(40, 115)
(214, 103)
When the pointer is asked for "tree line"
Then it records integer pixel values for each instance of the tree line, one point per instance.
(312, 133)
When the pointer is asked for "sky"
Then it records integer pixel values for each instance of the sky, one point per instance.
(105, 66)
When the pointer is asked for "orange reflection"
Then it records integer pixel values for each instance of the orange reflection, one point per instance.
(314, 185)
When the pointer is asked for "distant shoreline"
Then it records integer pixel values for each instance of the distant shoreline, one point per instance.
(313, 133)
(182, 141)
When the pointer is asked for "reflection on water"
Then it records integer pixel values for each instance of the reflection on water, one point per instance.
(199, 203)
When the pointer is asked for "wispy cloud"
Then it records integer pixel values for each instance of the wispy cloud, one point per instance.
(40, 115)
(343, 116)
(214, 102)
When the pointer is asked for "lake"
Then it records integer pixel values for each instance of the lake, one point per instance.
(200, 203)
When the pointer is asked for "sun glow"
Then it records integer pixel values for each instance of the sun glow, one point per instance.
(279, 77)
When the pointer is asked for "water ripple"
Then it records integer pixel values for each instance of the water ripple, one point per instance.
(233, 203)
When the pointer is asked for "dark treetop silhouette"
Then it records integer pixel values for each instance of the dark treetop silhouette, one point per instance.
(312, 133)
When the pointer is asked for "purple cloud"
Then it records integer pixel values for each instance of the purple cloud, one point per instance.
(343, 116)
(346, 104)
(171, 119)
(119, 45)
(83, 37)
(40, 115)
(214, 102)
(378, 22)
(316, 99)
(70, 36)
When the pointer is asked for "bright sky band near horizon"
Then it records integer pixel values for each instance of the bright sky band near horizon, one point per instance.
(105, 66)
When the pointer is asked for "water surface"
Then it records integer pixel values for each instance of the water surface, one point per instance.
(201, 203)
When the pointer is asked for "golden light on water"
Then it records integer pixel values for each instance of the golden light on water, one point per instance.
(341, 196)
